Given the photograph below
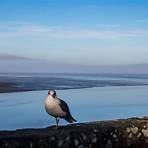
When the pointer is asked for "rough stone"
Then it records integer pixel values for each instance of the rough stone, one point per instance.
(123, 133)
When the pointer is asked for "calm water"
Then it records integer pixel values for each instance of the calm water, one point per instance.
(26, 109)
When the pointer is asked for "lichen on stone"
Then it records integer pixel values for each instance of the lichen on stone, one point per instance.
(109, 144)
(81, 146)
(145, 132)
(52, 138)
(139, 134)
(84, 137)
(134, 130)
(144, 126)
(130, 135)
(114, 136)
(128, 130)
(94, 139)
(60, 142)
(67, 138)
(95, 130)
(31, 144)
(76, 142)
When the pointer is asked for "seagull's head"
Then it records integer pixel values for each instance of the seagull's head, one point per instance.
(52, 93)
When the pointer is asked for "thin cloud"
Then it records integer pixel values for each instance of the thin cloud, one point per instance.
(143, 20)
(108, 25)
(92, 6)
(29, 30)
(11, 57)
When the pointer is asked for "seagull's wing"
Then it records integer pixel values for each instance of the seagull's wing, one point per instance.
(64, 106)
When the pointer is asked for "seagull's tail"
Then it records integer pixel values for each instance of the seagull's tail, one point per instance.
(70, 119)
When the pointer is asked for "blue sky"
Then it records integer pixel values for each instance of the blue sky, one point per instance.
(86, 32)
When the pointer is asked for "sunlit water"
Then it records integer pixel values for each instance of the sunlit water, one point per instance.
(26, 109)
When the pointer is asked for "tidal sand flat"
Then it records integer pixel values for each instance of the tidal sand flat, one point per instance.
(31, 82)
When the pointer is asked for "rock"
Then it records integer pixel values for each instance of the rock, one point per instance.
(123, 133)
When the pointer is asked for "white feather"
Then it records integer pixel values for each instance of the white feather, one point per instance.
(53, 108)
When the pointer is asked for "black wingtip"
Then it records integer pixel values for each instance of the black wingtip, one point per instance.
(70, 119)
(74, 119)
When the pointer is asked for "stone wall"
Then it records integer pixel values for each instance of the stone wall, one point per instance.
(123, 133)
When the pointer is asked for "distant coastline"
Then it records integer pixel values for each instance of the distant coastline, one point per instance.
(9, 87)
(22, 83)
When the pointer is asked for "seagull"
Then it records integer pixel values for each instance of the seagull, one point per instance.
(57, 108)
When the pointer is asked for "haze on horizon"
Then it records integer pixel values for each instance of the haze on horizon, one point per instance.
(74, 35)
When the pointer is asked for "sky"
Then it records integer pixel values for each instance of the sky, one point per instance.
(81, 32)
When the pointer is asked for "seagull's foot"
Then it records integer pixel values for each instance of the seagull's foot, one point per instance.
(56, 127)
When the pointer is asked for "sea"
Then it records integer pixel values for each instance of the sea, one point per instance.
(26, 109)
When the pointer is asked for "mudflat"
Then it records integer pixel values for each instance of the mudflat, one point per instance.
(25, 83)
(9, 87)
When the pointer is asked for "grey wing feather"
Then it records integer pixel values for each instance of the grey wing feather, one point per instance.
(64, 106)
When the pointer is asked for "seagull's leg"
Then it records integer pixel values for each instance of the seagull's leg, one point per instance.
(57, 122)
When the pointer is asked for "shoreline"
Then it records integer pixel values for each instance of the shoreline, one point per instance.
(6, 87)
(9, 87)
(22, 84)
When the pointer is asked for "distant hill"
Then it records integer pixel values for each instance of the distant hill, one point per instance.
(10, 57)
(12, 63)
(131, 68)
